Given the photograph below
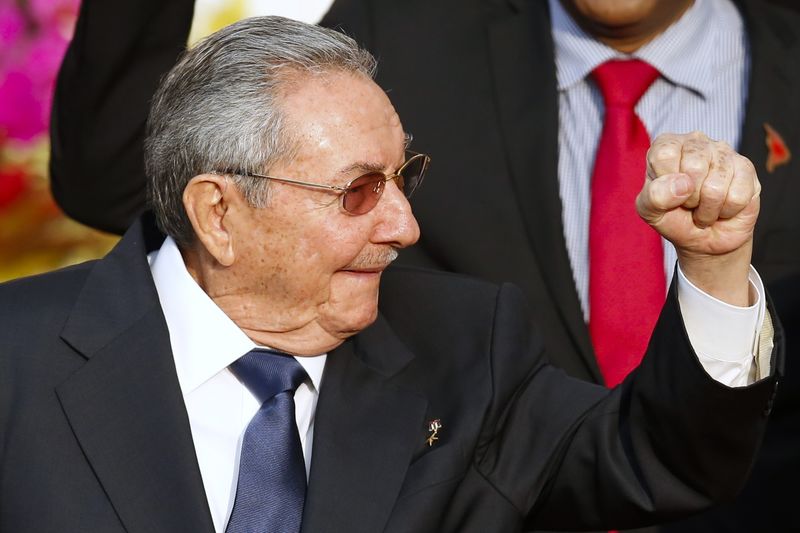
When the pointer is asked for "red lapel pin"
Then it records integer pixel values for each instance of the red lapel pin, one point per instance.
(777, 152)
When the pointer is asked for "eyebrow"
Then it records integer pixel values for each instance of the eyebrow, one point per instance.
(363, 166)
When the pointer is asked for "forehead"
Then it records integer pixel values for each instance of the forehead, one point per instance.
(343, 116)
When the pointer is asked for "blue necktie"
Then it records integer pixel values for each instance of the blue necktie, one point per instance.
(272, 475)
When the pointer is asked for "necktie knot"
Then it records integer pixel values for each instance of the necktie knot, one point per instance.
(623, 82)
(267, 373)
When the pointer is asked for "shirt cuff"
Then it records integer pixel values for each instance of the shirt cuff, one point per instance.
(725, 337)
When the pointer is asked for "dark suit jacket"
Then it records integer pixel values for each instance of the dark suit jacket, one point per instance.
(474, 80)
(95, 435)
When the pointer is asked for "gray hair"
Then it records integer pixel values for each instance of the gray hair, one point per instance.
(218, 109)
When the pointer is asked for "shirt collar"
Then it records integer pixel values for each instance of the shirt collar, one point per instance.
(680, 53)
(204, 340)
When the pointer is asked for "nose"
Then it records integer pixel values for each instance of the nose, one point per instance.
(395, 223)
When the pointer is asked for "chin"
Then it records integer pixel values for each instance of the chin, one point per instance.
(615, 12)
(356, 322)
(347, 315)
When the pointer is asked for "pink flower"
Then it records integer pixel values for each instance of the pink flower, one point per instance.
(11, 24)
(23, 116)
(34, 38)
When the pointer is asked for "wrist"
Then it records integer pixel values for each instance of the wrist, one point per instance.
(723, 276)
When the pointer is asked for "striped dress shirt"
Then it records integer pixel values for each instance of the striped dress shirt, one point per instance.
(703, 59)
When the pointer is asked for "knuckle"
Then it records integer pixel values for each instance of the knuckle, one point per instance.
(696, 148)
(713, 191)
(656, 199)
(660, 196)
(645, 196)
(722, 162)
(746, 166)
(738, 197)
(664, 151)
(694, 145)
(698, 136)
(694, 165)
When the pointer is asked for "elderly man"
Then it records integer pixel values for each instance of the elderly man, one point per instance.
(239, 375)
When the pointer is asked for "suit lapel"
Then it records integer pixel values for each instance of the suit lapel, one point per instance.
(521, 51)
(125, 406)
(772, 93)
(368, 423)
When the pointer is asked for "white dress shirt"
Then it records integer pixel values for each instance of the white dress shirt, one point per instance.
(703, 60)
(205, 341)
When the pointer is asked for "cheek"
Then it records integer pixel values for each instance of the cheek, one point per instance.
(285, 265)
(331, 250)
(313, 257)
(311, 265)
(305, 270)
(303, 251)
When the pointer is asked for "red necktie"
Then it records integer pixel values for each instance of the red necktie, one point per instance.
(626, 259)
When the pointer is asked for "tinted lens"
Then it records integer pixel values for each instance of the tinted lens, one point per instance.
(363, 193)
(412, 173)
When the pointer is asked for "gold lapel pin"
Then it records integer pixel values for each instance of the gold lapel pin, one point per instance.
(777, 152)
(433, 427)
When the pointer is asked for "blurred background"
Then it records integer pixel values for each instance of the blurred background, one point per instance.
(35, 236)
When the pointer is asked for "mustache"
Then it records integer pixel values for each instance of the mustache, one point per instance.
(379, 258)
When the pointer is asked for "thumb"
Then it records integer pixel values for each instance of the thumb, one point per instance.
(663, 194)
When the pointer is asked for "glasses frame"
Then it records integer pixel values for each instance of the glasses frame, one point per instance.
(411, 156)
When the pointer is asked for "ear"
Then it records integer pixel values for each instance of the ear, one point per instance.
(209, 211)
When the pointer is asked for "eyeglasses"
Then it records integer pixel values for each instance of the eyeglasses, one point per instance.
(361, 194)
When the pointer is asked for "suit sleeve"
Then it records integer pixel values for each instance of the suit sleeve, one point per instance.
(118, 53)
(669, 441)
